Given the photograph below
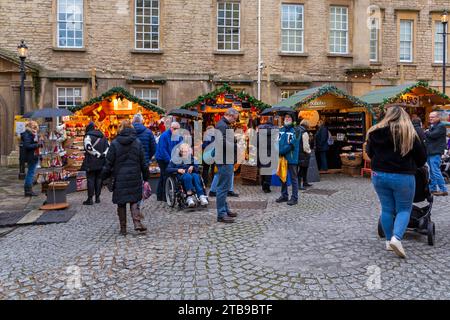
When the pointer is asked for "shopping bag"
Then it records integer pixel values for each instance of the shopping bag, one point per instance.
(282, 170)
(146, 190)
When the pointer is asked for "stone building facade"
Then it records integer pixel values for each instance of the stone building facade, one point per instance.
(171, 51)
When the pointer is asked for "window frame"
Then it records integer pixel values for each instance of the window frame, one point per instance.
(290, 91)
(377, 28)
(65, 87)
(332, 30)
(412, 42)
(57, 27)
(435, 34)
(301, 29)
(158, 93)
(142, 25)
(233, 3)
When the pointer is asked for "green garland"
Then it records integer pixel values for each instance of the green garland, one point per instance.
(226, 89)
(337, 92)
(420, 83)
(119, 91)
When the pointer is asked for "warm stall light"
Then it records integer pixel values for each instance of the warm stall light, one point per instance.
(116, 104)
(130, 105)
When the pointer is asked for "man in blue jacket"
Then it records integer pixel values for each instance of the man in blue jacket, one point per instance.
(145, 135)
(167, 141)
(289, 146)
(435, 141)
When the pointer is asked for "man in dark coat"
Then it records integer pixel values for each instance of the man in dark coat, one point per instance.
(265, 130)
(30, 156)
(435, 141)
(145, 135)
(96, 147)
(126, 163)
(225, 157)
(322, 145)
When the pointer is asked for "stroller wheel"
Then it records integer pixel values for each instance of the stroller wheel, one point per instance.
(380, 229)
(431, 231)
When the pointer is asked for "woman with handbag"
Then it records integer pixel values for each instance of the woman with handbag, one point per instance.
(96, 147)
(125, 162)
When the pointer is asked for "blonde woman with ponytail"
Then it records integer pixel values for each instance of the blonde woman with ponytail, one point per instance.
(396, 152)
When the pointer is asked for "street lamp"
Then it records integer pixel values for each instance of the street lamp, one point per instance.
(23, 51)
(444, 21)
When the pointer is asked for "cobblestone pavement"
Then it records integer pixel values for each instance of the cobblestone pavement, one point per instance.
(325, 248)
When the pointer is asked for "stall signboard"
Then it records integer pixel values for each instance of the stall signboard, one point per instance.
(19, 125)
(410, 100)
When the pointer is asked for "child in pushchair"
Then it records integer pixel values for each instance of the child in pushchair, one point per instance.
(420, 219)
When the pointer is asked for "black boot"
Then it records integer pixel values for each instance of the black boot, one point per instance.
(122, 213)
(88, 202)
(97, 199)
(28, 192)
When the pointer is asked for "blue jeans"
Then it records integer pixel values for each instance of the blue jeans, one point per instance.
(30, 174)
(436, 178)
(225, 176)
(323, 160)
(293, 172)
(191, 182)
(215, 181)
(396, 194)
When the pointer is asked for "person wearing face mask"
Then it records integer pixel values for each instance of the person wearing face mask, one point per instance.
(289, 146)
(167, 141)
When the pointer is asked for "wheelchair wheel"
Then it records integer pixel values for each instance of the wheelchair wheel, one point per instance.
(380, 229)
(170, 189)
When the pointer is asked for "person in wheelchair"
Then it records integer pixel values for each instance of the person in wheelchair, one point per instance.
(188, 173)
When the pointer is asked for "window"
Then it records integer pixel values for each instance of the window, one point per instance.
(406, 40)
(374, 32)
(292, 28)
(338, 39)
(70, 23)
(287, 93)
(150, 95)
(228, 26)
(147, 25)
(68, 97)
(439, 43)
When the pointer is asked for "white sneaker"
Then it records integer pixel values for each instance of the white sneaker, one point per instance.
(388, 246)
(397, 247)
(203, 200)
(190, 202)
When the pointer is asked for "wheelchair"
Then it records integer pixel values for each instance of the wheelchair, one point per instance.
(176, 193)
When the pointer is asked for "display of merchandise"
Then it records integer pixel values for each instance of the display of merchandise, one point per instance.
(347, 127)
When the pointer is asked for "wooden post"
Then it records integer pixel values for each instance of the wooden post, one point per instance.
(93, 82)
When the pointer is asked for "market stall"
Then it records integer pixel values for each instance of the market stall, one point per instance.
(347, 119)
(417, 99)
(212, 107)
(107, 111)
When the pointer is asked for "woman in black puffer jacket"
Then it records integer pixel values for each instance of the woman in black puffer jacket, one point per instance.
(126, 163)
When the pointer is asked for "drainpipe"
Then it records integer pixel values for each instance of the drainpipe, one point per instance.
(259, 50)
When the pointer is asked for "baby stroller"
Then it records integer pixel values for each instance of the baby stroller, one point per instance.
(445, 166)
(420, 220)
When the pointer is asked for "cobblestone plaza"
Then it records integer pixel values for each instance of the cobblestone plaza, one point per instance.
(326, 247)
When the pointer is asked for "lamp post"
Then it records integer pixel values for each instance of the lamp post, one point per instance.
(444, 21)
(23, 51)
